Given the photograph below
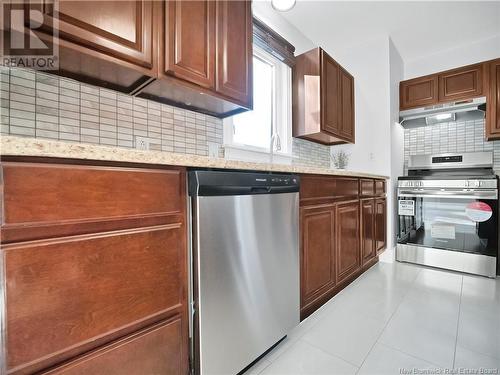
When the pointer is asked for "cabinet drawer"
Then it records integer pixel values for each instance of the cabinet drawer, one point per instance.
(379, 187)
(68, 295)
(44, 200)
(157, 350)
(313, 187)
(366, 187)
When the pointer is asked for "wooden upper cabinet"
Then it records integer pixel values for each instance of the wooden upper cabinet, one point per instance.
(461, 83)
(234, 51)
(418, 92)
(323, 99)
(347, 105)
(121, 29)
(330, 95)
(348, 258)
(493, 108)
(205, 56)
(190, 41)
(317, 252)
(457, 84)
(380, 225)
(192, 54)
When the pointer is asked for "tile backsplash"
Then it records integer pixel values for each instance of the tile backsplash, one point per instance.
(465, 136)
(36, 104)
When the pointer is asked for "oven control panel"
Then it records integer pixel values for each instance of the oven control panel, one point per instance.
(453, 184)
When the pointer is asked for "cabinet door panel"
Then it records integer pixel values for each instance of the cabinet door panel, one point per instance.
(119, 29)
(367, 229)
(347, 235)
(156, 350)
(418, 92)
(234, 51)
(330, 95)
(190, 41)
(67, 294)
(462, 83)
(317, 261)
(380, 224)
(347, 129)
(493, 115)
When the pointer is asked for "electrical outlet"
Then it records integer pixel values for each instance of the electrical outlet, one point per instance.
(141, 143)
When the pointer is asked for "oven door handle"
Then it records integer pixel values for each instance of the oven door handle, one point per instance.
(469, 193)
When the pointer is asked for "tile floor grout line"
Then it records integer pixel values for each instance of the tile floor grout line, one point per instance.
(387, 323)
(331, 355)
(410, 355)
(458, 321)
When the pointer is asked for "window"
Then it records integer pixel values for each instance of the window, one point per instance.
(250, 133)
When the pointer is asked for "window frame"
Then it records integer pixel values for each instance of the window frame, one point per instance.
(281, 117)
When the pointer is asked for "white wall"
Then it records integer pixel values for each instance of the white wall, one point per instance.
(369, 64)
(478, 51)
(264, 12)
(396, 74)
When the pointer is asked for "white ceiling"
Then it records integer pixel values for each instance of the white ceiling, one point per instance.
(417, 28)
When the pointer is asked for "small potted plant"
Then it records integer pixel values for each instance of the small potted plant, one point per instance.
(340, 159)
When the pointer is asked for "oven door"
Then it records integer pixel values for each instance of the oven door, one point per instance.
(464, 220)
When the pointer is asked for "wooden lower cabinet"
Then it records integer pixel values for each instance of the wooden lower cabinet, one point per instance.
(367, 211)
(342, 231)
(380, 225)
(95, 267)
(317, 251)
(348, 257)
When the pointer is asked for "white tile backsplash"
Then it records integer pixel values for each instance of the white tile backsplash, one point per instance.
(465, 136)
(36, 104)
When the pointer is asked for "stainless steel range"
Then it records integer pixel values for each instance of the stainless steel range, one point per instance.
(448, 213)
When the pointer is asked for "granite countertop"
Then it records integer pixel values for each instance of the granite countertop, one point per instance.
(20, 146)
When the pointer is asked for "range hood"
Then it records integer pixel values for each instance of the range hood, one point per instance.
(472, 109)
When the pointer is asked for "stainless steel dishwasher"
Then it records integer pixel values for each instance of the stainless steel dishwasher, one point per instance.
(245, 266)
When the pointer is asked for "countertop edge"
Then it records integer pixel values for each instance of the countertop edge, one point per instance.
(36, 147)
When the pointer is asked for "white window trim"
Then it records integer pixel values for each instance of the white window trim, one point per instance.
(281, 121)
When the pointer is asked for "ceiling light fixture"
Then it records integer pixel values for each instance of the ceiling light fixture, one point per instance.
(283, 5)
